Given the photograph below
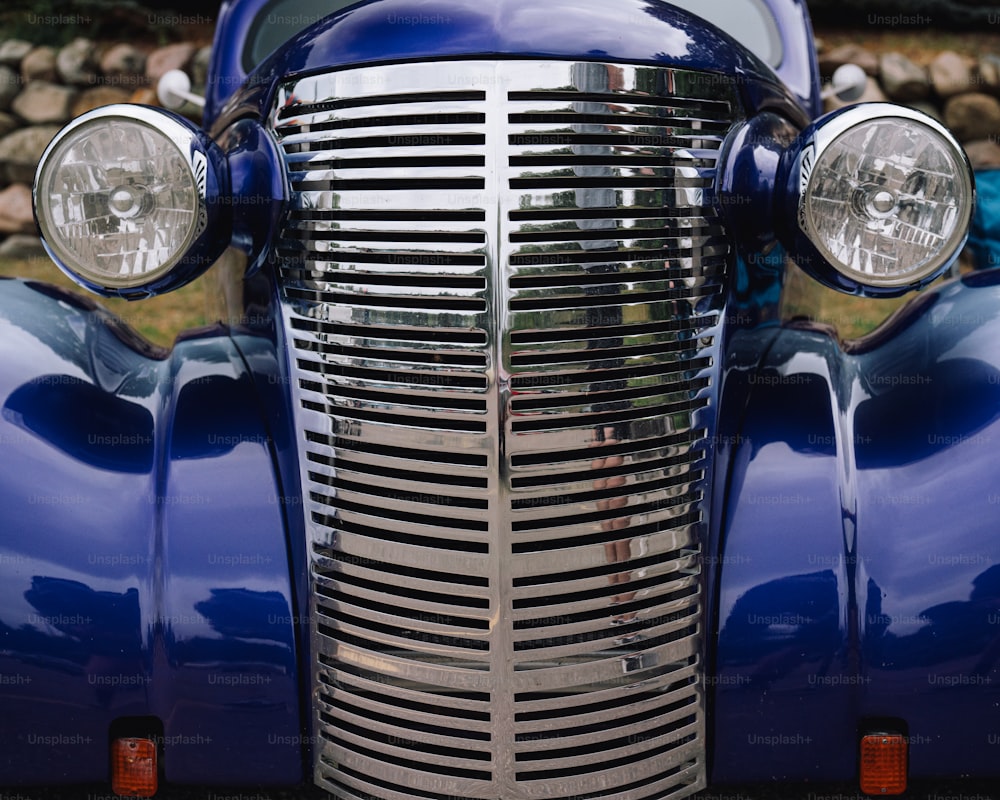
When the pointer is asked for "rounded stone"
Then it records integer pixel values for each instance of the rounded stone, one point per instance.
(902, 80)
(20, 151)
(10, 86)
(989, 73)
(173, 56)
(848, 54)
(15, 209)
(8, 123)
(42, 102)
(124, 62)
(973, 116)
(983, 154)
(40, 65)
(950, 74)
(929, 109)
(99, 96)
(77, 62)
(13, 51)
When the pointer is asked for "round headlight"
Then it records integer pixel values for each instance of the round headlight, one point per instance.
(122, 197)
(885, 195)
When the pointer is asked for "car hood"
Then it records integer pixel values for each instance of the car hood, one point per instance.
(382, 31)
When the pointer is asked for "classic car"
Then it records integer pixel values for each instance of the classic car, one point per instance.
(502, 475)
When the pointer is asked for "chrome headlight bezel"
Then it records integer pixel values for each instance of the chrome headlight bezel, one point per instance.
(209, 226)
(796, 183)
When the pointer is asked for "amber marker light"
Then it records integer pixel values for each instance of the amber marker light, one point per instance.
(883, 764)
(133, 767)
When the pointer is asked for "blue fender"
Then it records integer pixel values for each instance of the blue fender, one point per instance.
(859, 562)
(144, 562)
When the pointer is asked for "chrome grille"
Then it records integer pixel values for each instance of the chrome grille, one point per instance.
(501, 281)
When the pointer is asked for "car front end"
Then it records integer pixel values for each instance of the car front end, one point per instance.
(485, 440)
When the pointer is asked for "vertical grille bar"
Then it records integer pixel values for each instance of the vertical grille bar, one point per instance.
(503, 301)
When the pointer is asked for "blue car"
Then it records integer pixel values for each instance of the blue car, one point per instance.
(502, 477)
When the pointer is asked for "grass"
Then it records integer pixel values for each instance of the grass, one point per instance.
(851, 316)
(159, 319)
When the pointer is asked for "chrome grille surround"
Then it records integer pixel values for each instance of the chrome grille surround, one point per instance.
(502, 283)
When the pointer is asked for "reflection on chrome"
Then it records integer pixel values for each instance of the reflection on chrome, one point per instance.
(503, 345)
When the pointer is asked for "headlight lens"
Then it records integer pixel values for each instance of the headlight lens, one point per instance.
(121, 200)
(887, 201)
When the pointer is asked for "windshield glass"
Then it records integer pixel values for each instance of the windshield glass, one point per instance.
(279, 21)
(749, 22)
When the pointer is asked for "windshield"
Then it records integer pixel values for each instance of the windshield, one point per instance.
(748, 21)
(279, 21)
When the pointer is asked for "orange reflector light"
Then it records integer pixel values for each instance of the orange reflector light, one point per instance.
(883, 764)
(133, 767)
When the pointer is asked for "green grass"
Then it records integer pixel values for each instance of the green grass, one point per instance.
(159, 319)
(852, 316)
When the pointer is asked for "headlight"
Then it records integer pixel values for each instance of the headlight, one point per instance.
(882, 194)
(127, 201)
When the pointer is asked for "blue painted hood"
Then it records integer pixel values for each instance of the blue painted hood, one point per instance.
(381, 31)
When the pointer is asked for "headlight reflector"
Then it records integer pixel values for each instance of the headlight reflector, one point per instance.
(884, 203)
(122, 198)
(883, 194)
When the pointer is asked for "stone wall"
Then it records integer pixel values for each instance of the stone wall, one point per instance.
(42, 88)
(960, 91)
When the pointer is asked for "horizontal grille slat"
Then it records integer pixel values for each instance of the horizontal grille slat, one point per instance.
(401, 729)
(433, 678)
(561, 750)
(531, 136)
(361, 439)
(606, 532)
(587, 636)
(503, 300)
(342, 627)
(586, 590)
(407, 702)
(354, 770)
(407, 504)
(363, 299)
(395, 395)
(367, 545)
(363, 741)
(580, 557)
(611, 668)
(397, 415)
(423, 606)
(668, 682)
(637, 760)
(411, 582)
